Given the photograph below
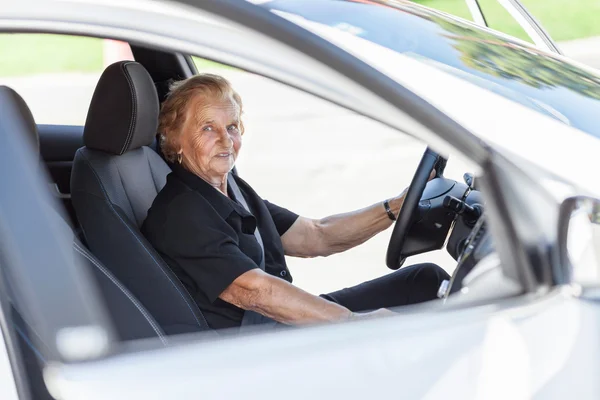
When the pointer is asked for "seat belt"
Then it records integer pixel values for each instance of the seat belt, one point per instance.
(250, 317)
(240, 198)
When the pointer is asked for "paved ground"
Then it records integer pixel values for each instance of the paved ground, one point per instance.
(301, 153)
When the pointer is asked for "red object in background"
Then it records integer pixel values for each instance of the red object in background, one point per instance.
(115, 50)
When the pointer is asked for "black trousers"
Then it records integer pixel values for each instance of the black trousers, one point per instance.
(409, 285)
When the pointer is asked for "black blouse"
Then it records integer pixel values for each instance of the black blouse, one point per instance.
(208, 239)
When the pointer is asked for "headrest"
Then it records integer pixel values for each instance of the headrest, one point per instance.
(15, 116)
(123, 114)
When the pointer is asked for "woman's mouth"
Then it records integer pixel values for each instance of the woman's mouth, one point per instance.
(226, 154)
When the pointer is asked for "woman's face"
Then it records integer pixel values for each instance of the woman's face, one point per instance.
(211, 139)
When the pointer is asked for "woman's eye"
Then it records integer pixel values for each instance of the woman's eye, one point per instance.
(207, 128)
(232, 128)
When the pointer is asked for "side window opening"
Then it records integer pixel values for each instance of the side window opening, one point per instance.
(57, 74)
(318, 159)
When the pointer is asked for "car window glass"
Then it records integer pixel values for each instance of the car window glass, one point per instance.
(318, 159)
(500, 20)
(57, 74)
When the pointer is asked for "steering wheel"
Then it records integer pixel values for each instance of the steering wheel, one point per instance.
(408, 212)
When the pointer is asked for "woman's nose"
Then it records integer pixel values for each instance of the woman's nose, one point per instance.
(226, 138)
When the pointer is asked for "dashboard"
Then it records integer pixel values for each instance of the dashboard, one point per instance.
(469, 244)
(477, 245)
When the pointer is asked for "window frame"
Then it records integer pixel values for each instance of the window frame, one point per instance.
(524, 18)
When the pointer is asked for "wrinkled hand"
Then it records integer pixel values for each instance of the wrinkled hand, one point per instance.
(396, 202)
(431, 175)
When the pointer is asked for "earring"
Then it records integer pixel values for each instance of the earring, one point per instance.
(179, 157)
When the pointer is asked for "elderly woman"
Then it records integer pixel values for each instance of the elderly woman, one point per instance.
(228, 245)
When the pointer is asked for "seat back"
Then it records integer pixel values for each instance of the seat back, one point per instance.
(114, 181)
(131, 320)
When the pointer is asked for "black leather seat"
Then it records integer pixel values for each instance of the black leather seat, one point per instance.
(115, 179)
(131, 320)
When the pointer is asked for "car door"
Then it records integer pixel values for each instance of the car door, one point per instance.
(511, 17)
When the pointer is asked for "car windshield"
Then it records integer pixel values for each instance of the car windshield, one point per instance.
(510, 68)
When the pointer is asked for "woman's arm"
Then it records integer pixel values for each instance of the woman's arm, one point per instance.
(337, 233)
(340, 232)
(279, 300)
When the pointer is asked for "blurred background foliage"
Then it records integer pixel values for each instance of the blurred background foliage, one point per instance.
(563, 19)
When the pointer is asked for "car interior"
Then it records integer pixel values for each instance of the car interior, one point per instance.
(107, 173)
(114, 180)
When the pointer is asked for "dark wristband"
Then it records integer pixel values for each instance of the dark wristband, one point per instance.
(388, 210)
